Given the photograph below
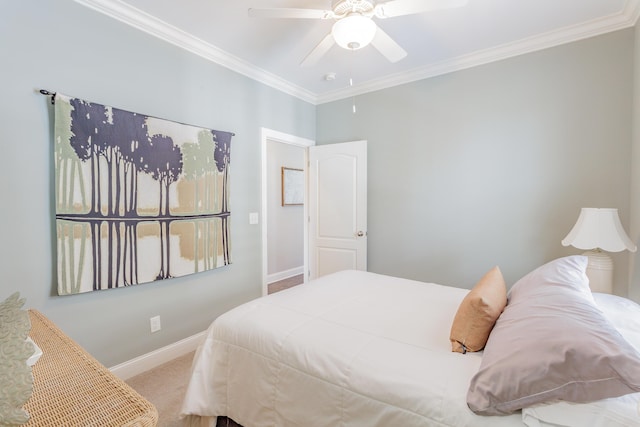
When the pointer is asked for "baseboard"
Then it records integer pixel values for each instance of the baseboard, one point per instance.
(284, 274)
(157, 357)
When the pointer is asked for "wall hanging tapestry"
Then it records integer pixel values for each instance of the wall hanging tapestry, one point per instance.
(138, 199)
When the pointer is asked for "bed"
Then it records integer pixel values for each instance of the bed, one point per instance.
(362, 349)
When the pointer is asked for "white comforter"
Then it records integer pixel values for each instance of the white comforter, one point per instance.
(349, 349)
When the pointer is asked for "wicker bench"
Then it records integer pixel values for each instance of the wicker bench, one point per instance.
(71, 388)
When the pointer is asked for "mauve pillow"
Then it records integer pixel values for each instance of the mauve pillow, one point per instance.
(552, 343)
(478, 312)
(620, 411)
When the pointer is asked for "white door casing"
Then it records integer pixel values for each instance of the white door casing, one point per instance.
(337, 176)
(268, 135)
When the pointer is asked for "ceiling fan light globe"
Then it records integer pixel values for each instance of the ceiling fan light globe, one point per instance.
(354, 31)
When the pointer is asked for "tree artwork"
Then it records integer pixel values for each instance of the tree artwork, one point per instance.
(138, 199)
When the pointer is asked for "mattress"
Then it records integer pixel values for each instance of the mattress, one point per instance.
(352, 348)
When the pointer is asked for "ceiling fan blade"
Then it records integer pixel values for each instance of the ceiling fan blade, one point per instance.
(408, 7)
(290, 13)
(387, 46)
(318, 51)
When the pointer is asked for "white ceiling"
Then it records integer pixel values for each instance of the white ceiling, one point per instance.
(270, 50)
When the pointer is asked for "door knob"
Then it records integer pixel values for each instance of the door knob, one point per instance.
(360, 233)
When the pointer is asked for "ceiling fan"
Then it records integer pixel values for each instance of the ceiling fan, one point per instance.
(354, 27)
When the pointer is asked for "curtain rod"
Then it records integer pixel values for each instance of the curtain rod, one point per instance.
(47, 93)
(53, 101)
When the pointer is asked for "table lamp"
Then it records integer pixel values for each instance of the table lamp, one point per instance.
(598, 230)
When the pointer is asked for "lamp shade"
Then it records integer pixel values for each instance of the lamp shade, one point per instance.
(599, 228)
(354, 31)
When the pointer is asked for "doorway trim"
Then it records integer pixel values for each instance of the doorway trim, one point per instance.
(267, 135)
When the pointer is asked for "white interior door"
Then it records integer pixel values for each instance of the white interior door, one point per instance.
(337, 208)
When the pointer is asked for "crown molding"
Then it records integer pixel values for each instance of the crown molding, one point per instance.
(141, 20)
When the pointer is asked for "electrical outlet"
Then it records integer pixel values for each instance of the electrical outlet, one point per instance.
(155, 324)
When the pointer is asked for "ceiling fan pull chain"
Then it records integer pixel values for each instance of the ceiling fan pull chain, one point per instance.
(353, 98)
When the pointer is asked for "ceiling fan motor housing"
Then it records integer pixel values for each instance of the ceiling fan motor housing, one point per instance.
(343, 8)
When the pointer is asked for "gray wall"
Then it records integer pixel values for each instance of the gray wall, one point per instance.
(62, 46)
(491, 165)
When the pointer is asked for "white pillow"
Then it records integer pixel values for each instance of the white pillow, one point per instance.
(624, 411)
(623, 313)
(621, 411)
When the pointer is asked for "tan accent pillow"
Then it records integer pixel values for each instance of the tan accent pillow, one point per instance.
(478, 312)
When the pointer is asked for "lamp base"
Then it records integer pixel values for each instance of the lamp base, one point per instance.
(599, 271)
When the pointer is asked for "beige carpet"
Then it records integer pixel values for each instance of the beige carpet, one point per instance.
(165, 386)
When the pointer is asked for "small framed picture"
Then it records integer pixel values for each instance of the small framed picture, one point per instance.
(292, 186)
